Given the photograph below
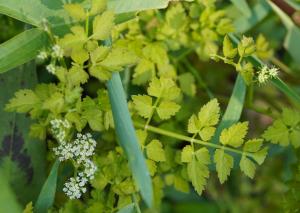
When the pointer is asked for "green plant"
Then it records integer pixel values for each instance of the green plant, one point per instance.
(124, 111)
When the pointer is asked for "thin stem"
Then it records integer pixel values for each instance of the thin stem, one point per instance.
(188, 139)
(137, 207)
(152, 112)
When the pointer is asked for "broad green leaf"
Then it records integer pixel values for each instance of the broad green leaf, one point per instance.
(21, 48)
(234, 135)
(47, 194)
(209, 114)
(186, 154)
(197, 169)
(234, 108)
(224, 164)
(143, 105)
(247, 166)
(127, 137)
(155, 151)
(243, 6)
(22, 158)
(103, 25)
(167, 109)
(278, 133)
(253, 145)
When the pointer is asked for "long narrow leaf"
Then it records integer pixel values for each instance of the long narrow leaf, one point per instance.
(259, 12)
(234, 109)
(128, 209)
(121, 6)
(21, 48)
(243, 6)
(47, 194)
(127, 137)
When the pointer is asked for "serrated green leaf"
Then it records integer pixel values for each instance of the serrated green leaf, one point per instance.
(79, 55)
(118, 58)
(224, 164)
(155, 151)
(143, 72)
(290, 117)
(193, 124)
(76, 11)
(98, 6)
(253, 145)
(28, 208)
(55, 103)
(207, 132)
(99, 54)
(209, 114)
(143, 105)
(278, 133)
(167, 109)
(103, 25)
(247, 166)
(92, 113)
(234, 135)
(198, 170)
(261, 155)
(151, 165)
(100, 73)
(24, 101)
(163, 88)
(295, 138)
(186, 154)
(77, 76)
(228, 50)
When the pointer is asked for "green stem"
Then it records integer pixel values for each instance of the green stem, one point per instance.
(188, 139)
(137, 207)
(152, 112)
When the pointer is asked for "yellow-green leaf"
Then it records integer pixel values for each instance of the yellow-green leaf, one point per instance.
(155, 151)
(224, 164)
(102, 25)
(234, 135)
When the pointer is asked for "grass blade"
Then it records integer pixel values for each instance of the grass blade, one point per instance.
(21, 48)
(127, 137)
(47, 194)
(243, 6)
(234, 109)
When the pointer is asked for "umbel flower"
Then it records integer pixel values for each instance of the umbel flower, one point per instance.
(80, 151)
(266, 73)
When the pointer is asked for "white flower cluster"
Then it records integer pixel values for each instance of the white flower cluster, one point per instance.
(51, 68)
(58, 128)
(57, 51)
(79, 151)
(267, 73)
(43, 55)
